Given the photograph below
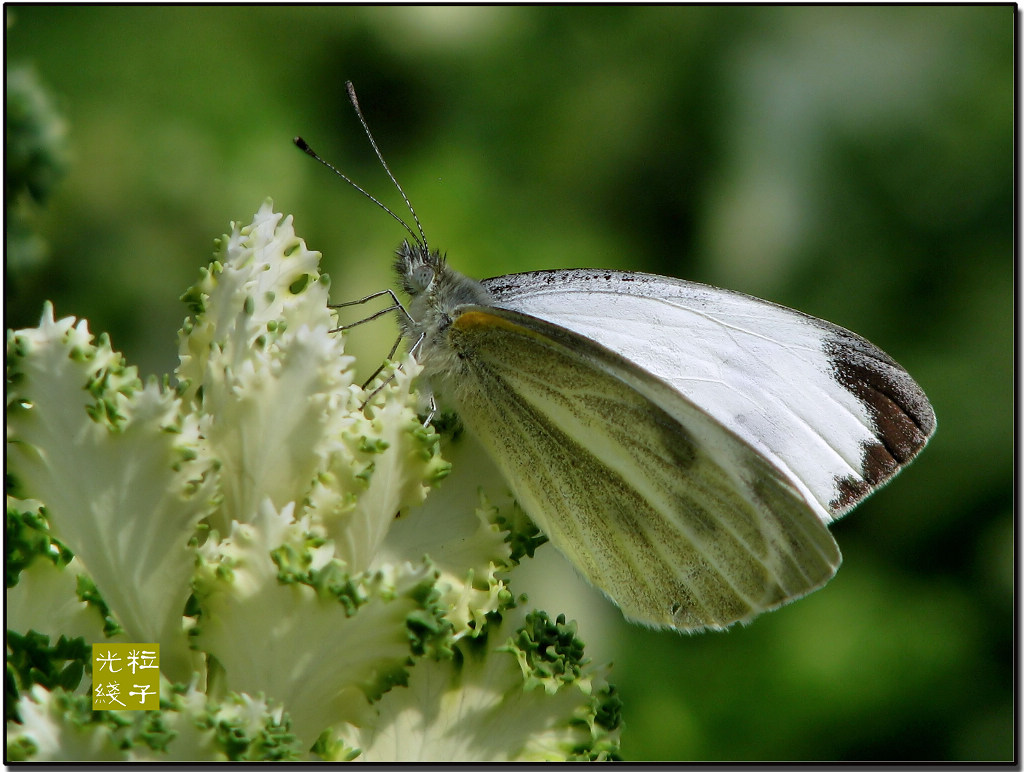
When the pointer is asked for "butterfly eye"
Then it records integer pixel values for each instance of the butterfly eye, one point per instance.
(420, 278)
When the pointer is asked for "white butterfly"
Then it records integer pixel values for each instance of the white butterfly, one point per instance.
(684, 446)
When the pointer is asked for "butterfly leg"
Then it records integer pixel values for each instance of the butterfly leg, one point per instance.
(376, 372)
(396, 305)
(375, 392)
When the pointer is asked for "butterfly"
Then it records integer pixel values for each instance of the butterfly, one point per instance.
(684, 446)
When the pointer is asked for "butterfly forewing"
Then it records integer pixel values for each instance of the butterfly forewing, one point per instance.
(831, 410)
(674, 516)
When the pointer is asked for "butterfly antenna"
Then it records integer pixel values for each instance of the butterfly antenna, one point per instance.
(355, 103)
(301, 144)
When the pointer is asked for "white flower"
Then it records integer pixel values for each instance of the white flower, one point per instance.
(245, 520)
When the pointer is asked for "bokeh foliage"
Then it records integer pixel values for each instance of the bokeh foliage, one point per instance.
(855, 163)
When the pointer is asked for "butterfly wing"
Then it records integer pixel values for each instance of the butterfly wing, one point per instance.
(680, 521)
(832, 411)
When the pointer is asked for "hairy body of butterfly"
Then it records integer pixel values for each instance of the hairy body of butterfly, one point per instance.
(684, 446)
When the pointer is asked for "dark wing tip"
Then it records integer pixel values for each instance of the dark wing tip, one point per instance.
(903, 417)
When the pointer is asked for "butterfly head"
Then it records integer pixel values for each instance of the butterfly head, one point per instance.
(417, 267)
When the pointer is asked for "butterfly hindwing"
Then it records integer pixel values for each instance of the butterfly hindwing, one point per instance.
(679, 520)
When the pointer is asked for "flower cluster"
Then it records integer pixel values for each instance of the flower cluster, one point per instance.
(275, 536)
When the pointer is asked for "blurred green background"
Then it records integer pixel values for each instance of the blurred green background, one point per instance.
(854, 163)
